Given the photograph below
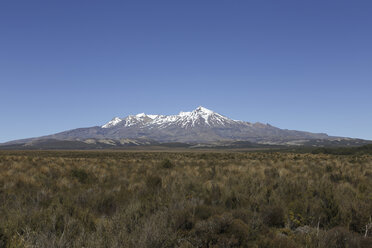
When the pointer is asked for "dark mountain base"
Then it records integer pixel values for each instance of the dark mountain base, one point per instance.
(143, 144)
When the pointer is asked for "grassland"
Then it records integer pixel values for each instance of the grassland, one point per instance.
(184, 199)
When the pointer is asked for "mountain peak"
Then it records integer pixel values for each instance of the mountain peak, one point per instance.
(112, 123)
(141, 115)
(202, 109)
(200, 116)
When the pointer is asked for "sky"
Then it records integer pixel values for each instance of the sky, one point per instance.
(303, 65)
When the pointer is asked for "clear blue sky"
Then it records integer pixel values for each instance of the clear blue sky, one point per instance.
(304, 65)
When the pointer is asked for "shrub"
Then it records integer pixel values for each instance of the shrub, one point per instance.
(3, 238)
(106, 205)
(340, 237)
(204, 212)
(240, 230)
(271, 173)
(80, 174)
(273, 240)
(182, 220)
(232, 202)
(243, 214)
(167, 164)
(153, 182)
(274, 217)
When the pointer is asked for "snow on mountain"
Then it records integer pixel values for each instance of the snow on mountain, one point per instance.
(200, 116)
(198, 126)
(112, 123)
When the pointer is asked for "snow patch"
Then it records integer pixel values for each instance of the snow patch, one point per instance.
(141, 115)
(112, 123)
(199, 116)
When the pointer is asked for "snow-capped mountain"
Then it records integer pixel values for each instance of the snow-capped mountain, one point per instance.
(187, 120)
(198, 126)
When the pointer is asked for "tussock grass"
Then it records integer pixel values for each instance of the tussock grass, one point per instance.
(184, 199)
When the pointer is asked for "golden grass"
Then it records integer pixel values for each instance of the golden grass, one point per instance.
(184, 199)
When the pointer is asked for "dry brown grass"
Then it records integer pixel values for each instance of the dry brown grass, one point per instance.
(184, 199)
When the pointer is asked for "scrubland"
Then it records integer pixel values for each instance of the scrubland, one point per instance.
(184, 199)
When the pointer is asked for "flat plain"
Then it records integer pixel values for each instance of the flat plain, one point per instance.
(184, 199)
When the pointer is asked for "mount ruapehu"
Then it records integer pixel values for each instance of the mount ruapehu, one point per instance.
(199, 128)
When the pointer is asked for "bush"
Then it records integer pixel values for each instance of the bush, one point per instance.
(183, 220)
(107, 205)
(204, 212)
(271, 173)
(3, 238)
(240, 230)
(80, 174)
(167, 164)
(153, 182)
(340, 237)
(274, 217)
(273, 240)
(232, 202)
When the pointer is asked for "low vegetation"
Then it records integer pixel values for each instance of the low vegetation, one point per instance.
(359, 150)
(185, 199)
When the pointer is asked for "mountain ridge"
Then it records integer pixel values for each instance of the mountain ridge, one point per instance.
(200, 126)
(200, 115)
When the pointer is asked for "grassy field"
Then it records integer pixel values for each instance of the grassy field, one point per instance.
(184, 199)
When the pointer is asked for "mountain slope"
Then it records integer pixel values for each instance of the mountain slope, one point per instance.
(198, 126)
